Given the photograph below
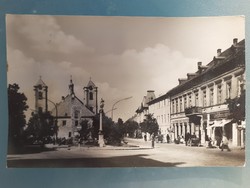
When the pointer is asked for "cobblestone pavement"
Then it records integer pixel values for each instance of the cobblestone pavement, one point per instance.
(138, 153)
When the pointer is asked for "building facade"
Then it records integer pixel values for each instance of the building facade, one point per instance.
(199, 104)
(143, 109)
(70, 111)
(160, 108)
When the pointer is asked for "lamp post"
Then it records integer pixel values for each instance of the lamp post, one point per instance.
(56, 115)
(113, 107)
(100, 138)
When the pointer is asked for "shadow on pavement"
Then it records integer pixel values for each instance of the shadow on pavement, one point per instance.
(30, 149)
(122, 161)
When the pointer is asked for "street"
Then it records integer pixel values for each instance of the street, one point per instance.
(139, 154)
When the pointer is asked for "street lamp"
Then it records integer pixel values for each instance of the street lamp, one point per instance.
(113, 107)
(56, 114)
(110, 110)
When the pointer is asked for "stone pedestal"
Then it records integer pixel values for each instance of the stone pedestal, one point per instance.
(101, 140)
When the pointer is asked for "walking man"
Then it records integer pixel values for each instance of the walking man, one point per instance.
(224, 143)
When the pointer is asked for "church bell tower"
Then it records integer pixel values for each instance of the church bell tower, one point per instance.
(41, 96)
(91, 96)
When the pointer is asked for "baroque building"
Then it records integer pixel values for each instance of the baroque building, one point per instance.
(70, 111)
(199, 104)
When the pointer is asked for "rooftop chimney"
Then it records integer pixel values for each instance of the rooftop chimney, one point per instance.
(182, 80)
(235, 41)
(218, 52)
(191, 75)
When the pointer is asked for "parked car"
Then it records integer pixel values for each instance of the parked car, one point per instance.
(194, 142)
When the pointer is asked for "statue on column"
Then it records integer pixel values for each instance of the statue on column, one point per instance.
(101, 140)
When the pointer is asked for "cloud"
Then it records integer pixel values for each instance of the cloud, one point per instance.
(42, 33)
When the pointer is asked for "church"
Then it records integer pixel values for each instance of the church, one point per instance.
(70, 111)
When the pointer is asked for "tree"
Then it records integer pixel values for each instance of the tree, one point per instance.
(237, 108)
(41, 127)
(150, 125)
(17, 107)
(113, 133)
(130, 127)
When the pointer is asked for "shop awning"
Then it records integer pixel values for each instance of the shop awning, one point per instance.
(219, 123)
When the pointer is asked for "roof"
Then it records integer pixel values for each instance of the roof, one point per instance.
(65, 106)
(228, 60)
(162, 97)
(40, 82)
(91, 83)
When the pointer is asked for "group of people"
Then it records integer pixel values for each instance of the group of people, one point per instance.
(180, 139)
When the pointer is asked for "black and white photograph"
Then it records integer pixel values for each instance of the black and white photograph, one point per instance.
(120, 91)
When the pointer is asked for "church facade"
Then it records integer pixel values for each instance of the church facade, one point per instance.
(70, 111)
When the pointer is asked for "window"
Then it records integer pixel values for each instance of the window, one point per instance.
(76, 123)
(173, 111)
(190, 100)
(90, 96)
(219, 94)
(204, 93)
(185, 102)
(228, 90)
(64, 122)
(196, 99)
(176, 104)
(76, 114)
(40, 95)
(181, 105)
(211, 96)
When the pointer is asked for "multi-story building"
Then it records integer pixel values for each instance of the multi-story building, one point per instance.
(199, 104)
(142, 110)
(160, 108)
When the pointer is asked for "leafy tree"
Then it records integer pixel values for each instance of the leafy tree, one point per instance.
(131, 126)
(41, 126)
(17, 106)
(113, 133)
(237, 108)
(150, 125)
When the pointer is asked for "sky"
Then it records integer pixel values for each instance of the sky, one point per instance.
(123, 56)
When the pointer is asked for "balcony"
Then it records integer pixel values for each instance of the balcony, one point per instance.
(192, 111)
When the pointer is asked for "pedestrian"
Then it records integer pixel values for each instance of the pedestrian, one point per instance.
(187, 137)
(145, 137)
(224, 144)
(168, 138)
(153, 140)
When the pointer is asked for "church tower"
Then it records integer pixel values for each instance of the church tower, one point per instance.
(41, 96)
(91, 96)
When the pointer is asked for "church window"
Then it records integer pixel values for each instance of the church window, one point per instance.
(40, 95)
(76, 123)
(90, 96)
(64, 122)
(76, 114)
